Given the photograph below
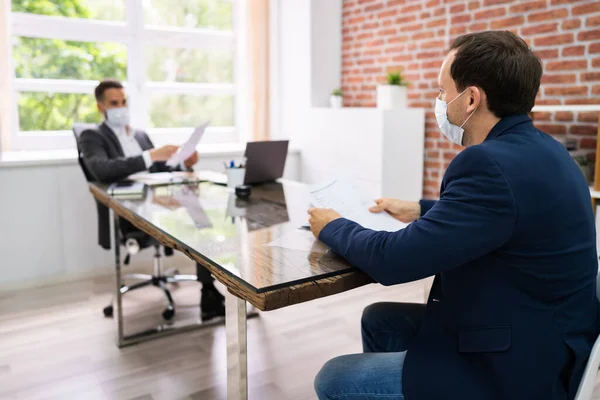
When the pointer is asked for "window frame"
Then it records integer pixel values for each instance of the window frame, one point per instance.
(136, 36)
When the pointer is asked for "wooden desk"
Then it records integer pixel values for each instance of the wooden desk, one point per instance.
(233, 248)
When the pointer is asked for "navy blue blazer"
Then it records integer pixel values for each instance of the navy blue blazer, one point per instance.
(513, 312)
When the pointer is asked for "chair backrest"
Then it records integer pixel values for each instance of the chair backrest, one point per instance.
(78, 129)
(588, 380)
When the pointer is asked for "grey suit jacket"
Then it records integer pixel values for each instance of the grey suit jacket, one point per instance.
(104, 158)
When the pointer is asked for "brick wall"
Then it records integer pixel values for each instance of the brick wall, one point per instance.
(382, 35)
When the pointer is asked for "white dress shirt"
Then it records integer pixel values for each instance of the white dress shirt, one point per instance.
(130, 146)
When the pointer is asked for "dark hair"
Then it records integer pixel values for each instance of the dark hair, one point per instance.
(104, 86)
(502, 65)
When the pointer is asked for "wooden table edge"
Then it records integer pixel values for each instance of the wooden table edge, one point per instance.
(265, 301)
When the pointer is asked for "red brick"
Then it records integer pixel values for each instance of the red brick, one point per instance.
(546, 54)
(433, 44)
(373, 7)
(566, 65)
(474, 5)
(586, 8)
(375, 51)
(506, 22)
(411, 28)
(406, 18)
(365, 61)
(458, 30)
(528, 6)
(423, 35)
(434, 23)
(376, 42)
(460, 19)
(479, 26)
(583, 130)
(542, 116)
(581, 101)
(487, 3)
(449, 155)
(587, 117)
(589, 35)
(547, 102)
(398, 39)
(457, 8)
(431, 184)
(365, 35)
(573, 51)
(593, 21)
(433, 3)
(552, 129)
(411, 8)
(587, 143)
(439, 11)
(444, 144)
(549, 78)
(356, 20)
(566, 91)
(548, 15)
(571, 24)
(402, 58)
(554, 40)
(395, 49)
(425, 15)
(388, 32)
(542, 28)
(395, 2)
(594, 48)
(372, 70)
(596, 62)
(431, 65)
(431, 75)
(370, 25)
(387, 13)
(561, 2)
(563, 116)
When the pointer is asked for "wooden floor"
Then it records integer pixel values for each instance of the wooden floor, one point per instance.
(55, 344)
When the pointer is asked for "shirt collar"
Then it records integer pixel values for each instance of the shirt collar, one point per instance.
(507, 123)
(117, 130)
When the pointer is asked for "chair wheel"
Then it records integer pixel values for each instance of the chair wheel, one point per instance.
(168, 313)
(108, 311)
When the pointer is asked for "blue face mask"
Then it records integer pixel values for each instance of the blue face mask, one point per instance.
(452, 132)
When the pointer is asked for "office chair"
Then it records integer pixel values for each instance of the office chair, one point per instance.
(588, 380)
(135, 240)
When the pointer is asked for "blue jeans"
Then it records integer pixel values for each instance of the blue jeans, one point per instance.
(387, 330)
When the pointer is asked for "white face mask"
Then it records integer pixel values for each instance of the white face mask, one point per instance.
(118, 116)
(452, 132)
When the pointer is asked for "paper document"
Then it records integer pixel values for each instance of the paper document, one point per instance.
(300, 239)
(164, 178)
(188, 148)
(342, 196)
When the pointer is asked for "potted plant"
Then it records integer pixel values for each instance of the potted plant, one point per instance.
(393, 95)
(336, 98)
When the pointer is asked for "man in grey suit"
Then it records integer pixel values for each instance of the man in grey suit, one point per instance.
(113, 151)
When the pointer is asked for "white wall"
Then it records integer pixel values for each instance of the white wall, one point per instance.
(48, 223)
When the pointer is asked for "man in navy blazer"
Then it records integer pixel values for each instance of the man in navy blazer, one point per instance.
(513, 312)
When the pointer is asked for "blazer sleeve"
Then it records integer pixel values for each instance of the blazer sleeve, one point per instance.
(101, 166)
(426, 205)
(475, 215)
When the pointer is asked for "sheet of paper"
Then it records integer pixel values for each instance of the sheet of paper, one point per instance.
(163, 178)
(300, 239)
(188, 148)
(342, 196)
(189, 201)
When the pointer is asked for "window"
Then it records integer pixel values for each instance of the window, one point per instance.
(176, 60)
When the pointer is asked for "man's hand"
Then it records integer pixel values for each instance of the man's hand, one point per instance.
(163, 153)
(404, 211)
(319, 217)
(192, 160)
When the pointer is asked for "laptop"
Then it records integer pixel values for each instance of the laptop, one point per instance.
(265, 162)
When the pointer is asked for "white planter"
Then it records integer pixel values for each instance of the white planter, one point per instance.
(391, 96)
(336, 101)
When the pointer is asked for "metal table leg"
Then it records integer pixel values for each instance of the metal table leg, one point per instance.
(237, 353)
(118, 295)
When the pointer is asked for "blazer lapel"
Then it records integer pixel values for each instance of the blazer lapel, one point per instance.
(110, 135)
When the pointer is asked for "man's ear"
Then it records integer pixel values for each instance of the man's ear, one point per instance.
(475, 98)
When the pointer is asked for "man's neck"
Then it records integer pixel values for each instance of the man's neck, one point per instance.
(481, 129)
(117, 129)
